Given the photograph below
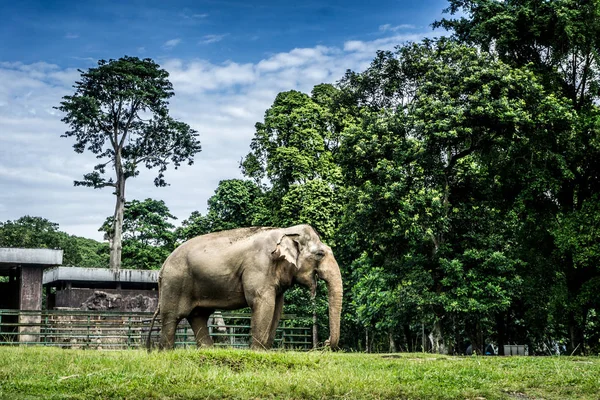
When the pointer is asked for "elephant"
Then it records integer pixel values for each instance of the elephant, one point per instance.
(245, 267)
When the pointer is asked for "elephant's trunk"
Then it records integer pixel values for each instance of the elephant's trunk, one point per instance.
(329, 271)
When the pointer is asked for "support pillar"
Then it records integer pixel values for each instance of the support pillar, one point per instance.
(30, 300)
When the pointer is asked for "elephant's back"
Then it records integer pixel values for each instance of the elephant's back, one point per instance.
(209, 250)
(233, 235)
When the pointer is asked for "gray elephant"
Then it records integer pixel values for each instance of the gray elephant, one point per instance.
(246, 267)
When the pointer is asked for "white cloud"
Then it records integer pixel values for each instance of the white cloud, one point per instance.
(387, 43)
(391, 28)
(169, 44)
(208, 39)
(221, 101)
(186, 14)
(71, 36)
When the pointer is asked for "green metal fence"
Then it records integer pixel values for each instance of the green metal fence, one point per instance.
(119, 330)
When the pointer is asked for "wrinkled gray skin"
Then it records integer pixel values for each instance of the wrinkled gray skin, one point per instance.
(247, 267)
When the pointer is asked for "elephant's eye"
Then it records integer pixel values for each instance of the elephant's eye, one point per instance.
(319, 254)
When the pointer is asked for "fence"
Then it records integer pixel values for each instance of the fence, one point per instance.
(114, 330)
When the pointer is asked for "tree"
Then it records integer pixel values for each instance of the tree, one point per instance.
(559, 42)
(429, 172)
(236, 203)
(296, 141)
(148, 234)
(119, 112)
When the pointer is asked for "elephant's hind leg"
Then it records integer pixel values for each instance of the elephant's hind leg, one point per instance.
(167, 334)
(199, 322)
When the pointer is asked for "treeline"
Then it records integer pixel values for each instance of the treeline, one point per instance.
(456, 179)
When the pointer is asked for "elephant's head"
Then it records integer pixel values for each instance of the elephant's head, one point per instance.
(300, 246)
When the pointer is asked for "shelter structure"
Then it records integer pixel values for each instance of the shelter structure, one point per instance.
(101, 289)
(22, 290)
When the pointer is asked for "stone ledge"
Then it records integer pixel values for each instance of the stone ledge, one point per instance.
(78, 274)
(24, 257)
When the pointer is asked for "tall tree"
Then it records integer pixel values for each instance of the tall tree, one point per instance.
(120, 113)
(560, 42)
(441, 125)
(296, 141)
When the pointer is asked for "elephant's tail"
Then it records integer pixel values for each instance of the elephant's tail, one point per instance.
(148, 342)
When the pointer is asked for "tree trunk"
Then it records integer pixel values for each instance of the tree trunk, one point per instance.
(577, 313)
(437, 338)
(576, 336)
(116, 243)
(407, 338)
(423, 338)
(393, 348)
(501, 331)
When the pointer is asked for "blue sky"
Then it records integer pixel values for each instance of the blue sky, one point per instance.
(227, 61)
(65, 32)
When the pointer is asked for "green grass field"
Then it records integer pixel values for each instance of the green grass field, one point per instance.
(50, 373)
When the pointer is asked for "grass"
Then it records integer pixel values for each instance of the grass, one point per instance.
(51, 373)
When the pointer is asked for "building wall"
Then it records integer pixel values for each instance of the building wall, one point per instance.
(107, 299)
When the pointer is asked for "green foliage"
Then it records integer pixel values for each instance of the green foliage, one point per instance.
(424, 170)
(559, 38)
(236, 203)
(558, 42)
(315, 202)
(108, 115)
(148, 234)
(294, 143)
(294, 149)
(38, 232)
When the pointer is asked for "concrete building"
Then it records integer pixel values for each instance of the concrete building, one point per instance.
(24, 269)
(101, 289)
(22, 287)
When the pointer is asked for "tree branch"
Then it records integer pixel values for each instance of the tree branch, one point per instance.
(134, 105)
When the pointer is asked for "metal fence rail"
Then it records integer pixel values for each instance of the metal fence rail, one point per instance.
(118, 330)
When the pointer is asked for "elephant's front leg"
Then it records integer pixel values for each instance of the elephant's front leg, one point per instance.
(263, 309)
(276, 318)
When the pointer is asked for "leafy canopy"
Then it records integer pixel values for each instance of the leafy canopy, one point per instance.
(119, 112)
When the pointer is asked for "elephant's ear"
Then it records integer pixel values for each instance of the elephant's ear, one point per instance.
(286, 249)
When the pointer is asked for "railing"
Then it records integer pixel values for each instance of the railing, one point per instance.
(119, 330)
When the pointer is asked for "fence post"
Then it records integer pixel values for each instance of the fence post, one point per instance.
(128, 331)
(88, 332)
(45, 328)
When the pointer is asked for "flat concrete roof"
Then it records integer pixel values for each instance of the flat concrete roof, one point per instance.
(77, 274)
(24, 257)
